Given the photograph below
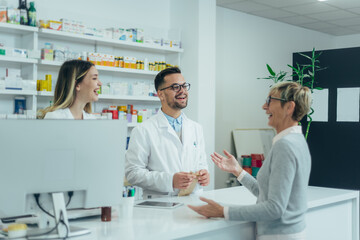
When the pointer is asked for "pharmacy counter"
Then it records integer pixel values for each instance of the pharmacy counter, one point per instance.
(333, 214)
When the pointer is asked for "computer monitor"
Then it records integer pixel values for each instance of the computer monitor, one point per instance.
(60, 156)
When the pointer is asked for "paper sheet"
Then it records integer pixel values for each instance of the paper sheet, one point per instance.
(348, 100)
(320, 104)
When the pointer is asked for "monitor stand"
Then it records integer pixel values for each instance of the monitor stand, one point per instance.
(63, 230)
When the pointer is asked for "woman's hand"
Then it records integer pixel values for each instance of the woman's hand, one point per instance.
(211, 209)
(227, 164)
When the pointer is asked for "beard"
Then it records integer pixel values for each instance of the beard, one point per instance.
(176, 105)
(180, 105)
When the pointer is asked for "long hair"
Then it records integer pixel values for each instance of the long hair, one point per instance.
(71, 73)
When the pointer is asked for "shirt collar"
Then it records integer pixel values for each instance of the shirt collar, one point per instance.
(283, 133)
(174, 120)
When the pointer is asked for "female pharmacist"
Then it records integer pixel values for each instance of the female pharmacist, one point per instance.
(77, 86)
(282, 181)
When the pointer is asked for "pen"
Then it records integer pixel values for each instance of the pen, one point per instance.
(124, 192)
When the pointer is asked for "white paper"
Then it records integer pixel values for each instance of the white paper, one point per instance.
(320, 105)
(348, 104)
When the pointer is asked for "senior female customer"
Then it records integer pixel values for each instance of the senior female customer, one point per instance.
(282, 181)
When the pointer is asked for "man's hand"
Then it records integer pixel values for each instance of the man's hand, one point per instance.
(182, 180)
(204, 177)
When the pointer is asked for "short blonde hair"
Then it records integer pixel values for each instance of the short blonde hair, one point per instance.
(292, 91)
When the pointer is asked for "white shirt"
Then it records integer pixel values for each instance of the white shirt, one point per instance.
(295, 236)
(65, 113)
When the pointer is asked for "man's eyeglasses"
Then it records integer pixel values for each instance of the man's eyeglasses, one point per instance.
(268, 100)
(176, 87)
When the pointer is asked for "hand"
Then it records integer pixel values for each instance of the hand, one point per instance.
(182, 180)
(227, 164)
(204, 177)
(211, 209)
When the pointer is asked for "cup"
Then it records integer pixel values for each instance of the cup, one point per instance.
(106, 214)
(126, 207)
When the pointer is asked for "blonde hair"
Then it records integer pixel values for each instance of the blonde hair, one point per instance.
(292, 91)
(71, 73)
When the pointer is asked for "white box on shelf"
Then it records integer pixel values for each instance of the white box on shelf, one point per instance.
(13, 73)
(13, 83)
(36, 54)
(28, 85)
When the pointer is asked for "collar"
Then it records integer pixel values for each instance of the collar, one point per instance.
(283, 133)
(174, 120)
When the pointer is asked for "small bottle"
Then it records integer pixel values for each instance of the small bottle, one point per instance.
(23, 12)
(117, 62)
(32, 15)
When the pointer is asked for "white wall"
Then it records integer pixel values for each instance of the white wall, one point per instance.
(196, 18)
(244, 45)
(347, 41)
(109, 13)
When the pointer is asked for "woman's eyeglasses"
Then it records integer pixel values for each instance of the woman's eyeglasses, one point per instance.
(176, 87)
(268, 100)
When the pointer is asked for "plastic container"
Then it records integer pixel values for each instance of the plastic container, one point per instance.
(246, 160)
(255, 171)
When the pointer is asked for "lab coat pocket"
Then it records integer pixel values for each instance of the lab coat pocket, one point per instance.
(192, 158)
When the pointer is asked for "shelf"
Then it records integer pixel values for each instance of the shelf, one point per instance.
(129, 98)
(105, 68)
(60, 35)
(17, 59)
(45, 93)
(126, 70)
(50, 63)
(17, 29)
(17, 92)
(110, 97)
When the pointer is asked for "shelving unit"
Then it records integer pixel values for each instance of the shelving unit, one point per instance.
(59, 35)
(31, 37)
(18, 92)
(17, 59)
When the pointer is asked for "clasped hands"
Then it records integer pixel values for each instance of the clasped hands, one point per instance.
(182, 180)
(228, 164)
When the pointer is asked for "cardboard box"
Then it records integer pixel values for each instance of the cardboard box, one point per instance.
(47, 54)
(55, 25)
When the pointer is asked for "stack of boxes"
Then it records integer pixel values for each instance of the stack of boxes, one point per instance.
(252, 163)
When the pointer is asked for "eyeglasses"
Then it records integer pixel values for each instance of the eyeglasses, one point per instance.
(268, 100)
(176, 87)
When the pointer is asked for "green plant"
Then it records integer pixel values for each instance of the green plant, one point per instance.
(304, 74)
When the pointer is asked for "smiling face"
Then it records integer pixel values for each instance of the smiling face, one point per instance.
(172, 101)
(279, 116)
(86, 90)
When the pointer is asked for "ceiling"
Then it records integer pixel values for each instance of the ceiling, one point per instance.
(334, 17)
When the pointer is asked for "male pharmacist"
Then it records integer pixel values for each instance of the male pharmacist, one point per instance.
(166, 150)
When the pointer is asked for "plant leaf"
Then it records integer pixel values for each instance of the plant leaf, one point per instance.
(270, 70)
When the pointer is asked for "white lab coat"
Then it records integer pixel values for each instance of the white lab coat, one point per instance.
(65, 113)
(156, 153)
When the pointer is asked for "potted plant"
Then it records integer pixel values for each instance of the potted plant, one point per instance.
(304, 74)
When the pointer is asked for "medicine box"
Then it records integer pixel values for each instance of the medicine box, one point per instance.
(55, 25)
(19, 105)
(3, 15)
(47, 54)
